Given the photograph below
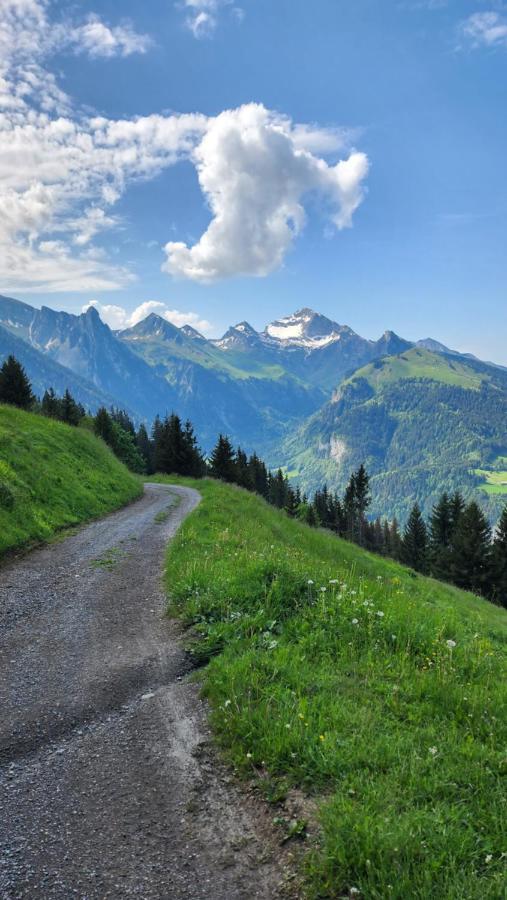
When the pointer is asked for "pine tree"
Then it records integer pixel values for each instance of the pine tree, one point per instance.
(457, 506)
(243, 471)
(222, 461)
(145, 448)
(414, 546)
(471, 551)
(441, 531)
(193, 464)
(69, 410)
(362, 499)
(50, 404)
(395, 540)
(103, 425)
(499, 561)
(15, 387)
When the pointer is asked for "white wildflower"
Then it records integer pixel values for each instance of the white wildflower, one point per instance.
(451, 644)
(227, 703)
(489, 857)
(355, 621)
(433, 751)
(310, 581)
(380, 613)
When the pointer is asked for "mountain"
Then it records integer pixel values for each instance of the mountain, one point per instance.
(421, 421)
(309, 346)
(306, 392)
(254, 400)
(44, 372)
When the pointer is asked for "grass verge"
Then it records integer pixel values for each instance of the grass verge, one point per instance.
(53, 476)
(376, 690)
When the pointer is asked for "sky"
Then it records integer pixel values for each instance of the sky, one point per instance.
(222, 160)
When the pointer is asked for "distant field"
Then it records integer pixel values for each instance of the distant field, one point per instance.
(421, 364)
(495, 482)
(378, 693)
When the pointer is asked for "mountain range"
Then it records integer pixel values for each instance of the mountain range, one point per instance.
(307, 393)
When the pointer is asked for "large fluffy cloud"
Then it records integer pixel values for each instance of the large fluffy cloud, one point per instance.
(62, 170)
(255, 170)
(118, 317)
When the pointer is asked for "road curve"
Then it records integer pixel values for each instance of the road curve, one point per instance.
(109, 786)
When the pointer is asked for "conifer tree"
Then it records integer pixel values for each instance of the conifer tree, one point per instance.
(69, 409)
(222, 461)
(457, 507)
(15, 387)
(50, 404)
(499, 561)
(441, 531)
(145, 448)
(414, 546)
(193, 465)
(103, 425)
(471, 551)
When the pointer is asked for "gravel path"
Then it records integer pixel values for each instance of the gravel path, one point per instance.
(109, 786)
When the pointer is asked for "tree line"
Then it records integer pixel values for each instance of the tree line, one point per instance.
(456, 544)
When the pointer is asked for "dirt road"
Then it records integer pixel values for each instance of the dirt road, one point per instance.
(109, 787)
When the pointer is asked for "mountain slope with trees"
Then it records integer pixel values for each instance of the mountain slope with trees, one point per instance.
(420, 422)
(53, 475)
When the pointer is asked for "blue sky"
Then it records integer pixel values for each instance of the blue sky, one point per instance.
(418, 87)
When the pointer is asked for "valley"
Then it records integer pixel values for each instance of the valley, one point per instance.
(307, 394)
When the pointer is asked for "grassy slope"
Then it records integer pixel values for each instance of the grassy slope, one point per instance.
(56, 476)
(418, 363)
(353, 694)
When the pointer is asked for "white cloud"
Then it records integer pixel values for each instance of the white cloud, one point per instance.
(485, 29)
(118, 318)
(254, 172)
(98, 39)
(62, 171)
(202, 15)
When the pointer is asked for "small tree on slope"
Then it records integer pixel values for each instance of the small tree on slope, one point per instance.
(471, 551)
(414, 548)
(15, 387)
(222, 462)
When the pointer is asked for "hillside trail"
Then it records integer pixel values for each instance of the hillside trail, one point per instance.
(109, 783)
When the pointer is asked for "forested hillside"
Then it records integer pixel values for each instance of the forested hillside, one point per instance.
(53, 475)
(421, 422)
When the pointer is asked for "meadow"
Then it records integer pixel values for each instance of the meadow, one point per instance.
(52, 476)
(377, 692)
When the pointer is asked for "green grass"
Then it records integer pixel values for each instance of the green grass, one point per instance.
(495, 482)
(419, 363)
(354, 695)
(53, 476)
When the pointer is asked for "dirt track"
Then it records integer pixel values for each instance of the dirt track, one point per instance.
(109, 786)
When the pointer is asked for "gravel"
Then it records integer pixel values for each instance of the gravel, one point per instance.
(110, 786)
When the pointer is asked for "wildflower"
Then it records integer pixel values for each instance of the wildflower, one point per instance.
(433, 751)
(354, 892)
(355, 621)
(249, 756)
(393, 636)
(287, 725)
(323, 589)
(310, 581)
(451, 644)
(321, 737)
(301, 716)
(227, 703)
(380, 613)
(489, 858)
(333, 581)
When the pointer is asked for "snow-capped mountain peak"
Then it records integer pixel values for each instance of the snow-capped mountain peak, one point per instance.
(304, 328)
